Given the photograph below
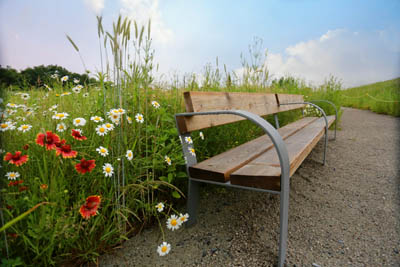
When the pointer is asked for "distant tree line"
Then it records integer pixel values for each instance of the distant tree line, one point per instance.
(37, 76)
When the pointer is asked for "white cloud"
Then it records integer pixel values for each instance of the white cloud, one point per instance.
(142, 11)
(96, 5)
(354, 57)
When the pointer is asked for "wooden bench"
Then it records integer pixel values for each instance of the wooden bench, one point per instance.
(255, 165)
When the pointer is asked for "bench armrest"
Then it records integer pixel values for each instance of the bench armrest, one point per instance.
(334, 106)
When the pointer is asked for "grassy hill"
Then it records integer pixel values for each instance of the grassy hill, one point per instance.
(381, 97)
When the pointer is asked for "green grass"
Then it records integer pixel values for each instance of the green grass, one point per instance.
(381, 97)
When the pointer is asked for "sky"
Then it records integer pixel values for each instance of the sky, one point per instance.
(357, 41)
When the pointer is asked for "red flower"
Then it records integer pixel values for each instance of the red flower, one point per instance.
(66, 151)
(16, 159)
(44, 186)
(77, 135)
(59, 144)
(49, 139)
(26, 147)
(22, 188)
(89, 209)
(85, 166)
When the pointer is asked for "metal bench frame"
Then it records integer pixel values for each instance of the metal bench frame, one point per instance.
(193, 190)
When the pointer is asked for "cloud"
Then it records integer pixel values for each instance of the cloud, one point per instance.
(96, 5)
(142, 11)
(354, 57)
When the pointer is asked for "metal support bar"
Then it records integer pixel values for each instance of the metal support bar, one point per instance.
(336, 111)
(276, 121)
(285, 171)
(326, 123)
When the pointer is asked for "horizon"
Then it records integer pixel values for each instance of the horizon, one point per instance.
(358, 43)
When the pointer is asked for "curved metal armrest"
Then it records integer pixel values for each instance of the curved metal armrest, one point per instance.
(268, 129)
(336, 111)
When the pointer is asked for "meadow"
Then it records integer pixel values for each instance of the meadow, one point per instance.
(86, 166)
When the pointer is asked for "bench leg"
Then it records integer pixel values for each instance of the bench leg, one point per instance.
(193, 200)
(283, 217)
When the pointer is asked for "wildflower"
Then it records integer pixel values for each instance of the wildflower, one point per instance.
(102, 150)
(160, 207)
(12, 105)
(64, 79)
(85, 166)
(173, 223)
(49, 139)
(8, 125)
(53, 107)
(109, 126)
(129, 155)
(76, 81)
(188, 140)
(54, 76)
(91, 206)
(60, 116)
(85, 95)
(101, 130)
(139, 118)
(183, 218)
(16, 159)
(48, 88)
(26, 147)
(201, 135)
(61, 127)
(115, 118)
(192, 151)
(44, 186)
(79, 122)
(65, 93)
(108, 170)
(59, 144)
(121, 111)
(25, 96)
(23, 188)
(12, 175)
(163, 249)
(15, 183)
(155, 104)
(24, 128)
(66, 151)
(77, 134)
(167, 160)
(129, 119)
(96, 119)
(76, 90)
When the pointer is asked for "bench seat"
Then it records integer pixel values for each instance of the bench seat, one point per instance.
(255, 164)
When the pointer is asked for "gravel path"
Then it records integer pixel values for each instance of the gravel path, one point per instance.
(343, 214)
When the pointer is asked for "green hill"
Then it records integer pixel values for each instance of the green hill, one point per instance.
(381, 97)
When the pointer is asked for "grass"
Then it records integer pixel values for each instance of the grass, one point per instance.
(381, 97)
(55, 233)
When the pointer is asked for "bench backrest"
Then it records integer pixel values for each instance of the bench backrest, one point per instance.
(259, 103)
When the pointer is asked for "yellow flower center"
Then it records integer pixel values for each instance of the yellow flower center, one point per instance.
(102, 130)
(25, 127)
(174, 222)
(78, 121)
(108, 169)
(108, 125)
(12, 175)
(140, 118)
(164, 249)
(4, 125)
(60, 115)
(183, 219)
(97, 119)
(103, 150)
(61, 127)
(129, 154)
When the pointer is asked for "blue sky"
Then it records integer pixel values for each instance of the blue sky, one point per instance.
(356, 41)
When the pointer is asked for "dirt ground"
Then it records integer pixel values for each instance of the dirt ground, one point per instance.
(345, 213)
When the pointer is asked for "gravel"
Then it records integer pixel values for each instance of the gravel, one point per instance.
(345, 213)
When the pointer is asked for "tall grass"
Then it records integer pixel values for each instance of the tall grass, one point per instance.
(55, 233)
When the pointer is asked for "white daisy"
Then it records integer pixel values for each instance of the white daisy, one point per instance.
(167, 160)
(79, 122)
(85, 95)
(160, 207)
(163, 249)
(54, 76)
(61, 127)
(115, 118)
(188, 140)
(102, 151)
(121, 111)
(48, 88)
(12, 175)
(183, 218)
(139, 118)
(96, 119)
(129, 119)
(101, 130)
(64, 79)
(53, 107)
(12, 105)
(201, 135)
(109, 126)
(24, 128)
(76, 90)
(192, 151)
(173, 223)
(60, 116)
(8, 125)
(65, 93)
(108, 170)
(25, 96)
(155, 104)
(76, 81)
(129, 155)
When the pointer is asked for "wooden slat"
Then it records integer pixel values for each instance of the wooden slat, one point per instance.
(286, 98)
(219, 167)
(258, 103)
(264, 171)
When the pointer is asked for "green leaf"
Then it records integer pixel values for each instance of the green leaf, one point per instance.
(175, 194)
